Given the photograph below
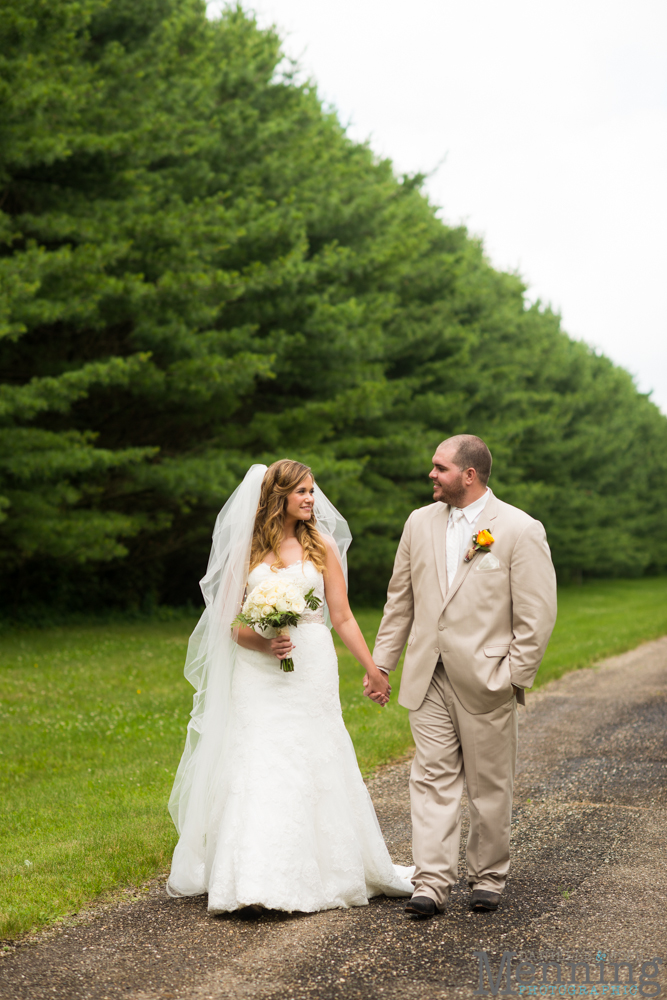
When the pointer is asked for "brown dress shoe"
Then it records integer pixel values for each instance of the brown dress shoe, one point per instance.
(421, 907)
(483, 901)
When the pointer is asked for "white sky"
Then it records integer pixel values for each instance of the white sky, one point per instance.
(551, 117)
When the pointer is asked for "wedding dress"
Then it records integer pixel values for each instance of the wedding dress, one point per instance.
(292, 826)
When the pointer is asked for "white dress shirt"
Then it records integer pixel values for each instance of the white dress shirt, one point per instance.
(460, 529)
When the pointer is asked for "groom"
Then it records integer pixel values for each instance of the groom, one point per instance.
(476, 612)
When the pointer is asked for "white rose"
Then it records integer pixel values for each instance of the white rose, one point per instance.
(282, 605)
(299, 605)
(267, 609)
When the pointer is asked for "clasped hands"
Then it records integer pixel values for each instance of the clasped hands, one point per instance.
(377, 687)
(376, 684)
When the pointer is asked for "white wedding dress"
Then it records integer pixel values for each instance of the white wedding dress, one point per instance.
(292, 826)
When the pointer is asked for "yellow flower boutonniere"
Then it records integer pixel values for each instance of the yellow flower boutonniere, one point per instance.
(481, 542)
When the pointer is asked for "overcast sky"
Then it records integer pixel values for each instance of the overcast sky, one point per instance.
(551, 119)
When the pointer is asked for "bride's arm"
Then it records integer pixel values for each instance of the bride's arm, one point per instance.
(377, 686)
(249, 639)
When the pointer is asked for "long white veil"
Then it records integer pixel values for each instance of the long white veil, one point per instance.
(209, 667)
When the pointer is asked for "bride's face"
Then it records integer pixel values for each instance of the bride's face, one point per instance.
(301, 501)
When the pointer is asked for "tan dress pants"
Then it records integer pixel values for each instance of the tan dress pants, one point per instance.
(450, 744)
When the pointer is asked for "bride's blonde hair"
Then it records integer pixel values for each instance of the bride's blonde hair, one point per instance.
(281, 479)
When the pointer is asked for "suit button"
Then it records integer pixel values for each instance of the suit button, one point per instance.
(436, 650)
(441, 627)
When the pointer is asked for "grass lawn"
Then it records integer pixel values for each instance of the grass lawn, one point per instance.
(93, 721)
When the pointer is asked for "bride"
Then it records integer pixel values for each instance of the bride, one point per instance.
(269, 803)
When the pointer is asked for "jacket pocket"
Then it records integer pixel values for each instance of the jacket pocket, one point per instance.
(501, 650)
(487, 562)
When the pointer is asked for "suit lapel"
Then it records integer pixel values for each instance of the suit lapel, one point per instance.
(486, 518)
(461, 574)
(439, 529)
(490, 512)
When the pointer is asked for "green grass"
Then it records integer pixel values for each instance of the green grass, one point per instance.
(93, 722)
(601, 619)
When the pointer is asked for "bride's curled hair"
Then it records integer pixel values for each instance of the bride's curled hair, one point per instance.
(281, 479)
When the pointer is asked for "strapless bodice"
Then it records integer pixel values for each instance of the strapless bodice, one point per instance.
(304, 575)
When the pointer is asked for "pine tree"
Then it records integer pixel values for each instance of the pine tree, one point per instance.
(198, 269)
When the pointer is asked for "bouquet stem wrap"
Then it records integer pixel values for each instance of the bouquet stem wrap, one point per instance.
(288, 663)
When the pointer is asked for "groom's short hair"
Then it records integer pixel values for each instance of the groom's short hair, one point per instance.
(471, 453)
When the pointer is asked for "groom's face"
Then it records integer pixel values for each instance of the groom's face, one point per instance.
(447, 478)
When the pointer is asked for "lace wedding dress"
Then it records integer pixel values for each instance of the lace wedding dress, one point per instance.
(292, 826)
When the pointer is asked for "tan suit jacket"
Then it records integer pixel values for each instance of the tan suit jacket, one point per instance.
(491, 627)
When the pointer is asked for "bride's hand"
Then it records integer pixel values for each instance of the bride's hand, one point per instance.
(281, 646)
(377, 687)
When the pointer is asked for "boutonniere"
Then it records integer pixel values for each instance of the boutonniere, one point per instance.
(481, 542)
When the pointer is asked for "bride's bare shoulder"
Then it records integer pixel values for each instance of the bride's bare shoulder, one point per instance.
(332, 556)
(328, 541)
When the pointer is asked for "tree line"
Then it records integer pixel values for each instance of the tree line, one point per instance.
(199, 269)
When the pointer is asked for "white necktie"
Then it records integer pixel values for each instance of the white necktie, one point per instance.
(453, 543)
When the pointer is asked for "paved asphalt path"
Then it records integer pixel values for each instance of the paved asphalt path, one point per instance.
(589, 875)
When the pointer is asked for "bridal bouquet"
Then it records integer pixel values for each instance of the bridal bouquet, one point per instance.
(277, 603)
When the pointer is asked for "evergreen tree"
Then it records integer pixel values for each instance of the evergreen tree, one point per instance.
(198, 269)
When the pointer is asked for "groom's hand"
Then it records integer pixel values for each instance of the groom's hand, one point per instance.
(377, 687)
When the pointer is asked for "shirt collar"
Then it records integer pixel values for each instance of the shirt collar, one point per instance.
(473, 510)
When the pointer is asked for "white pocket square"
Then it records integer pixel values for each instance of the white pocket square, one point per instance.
(487, 562)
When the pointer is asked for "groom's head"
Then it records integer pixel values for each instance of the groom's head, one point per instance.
(461, 470)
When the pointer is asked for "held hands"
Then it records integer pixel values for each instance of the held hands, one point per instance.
(377, 687)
